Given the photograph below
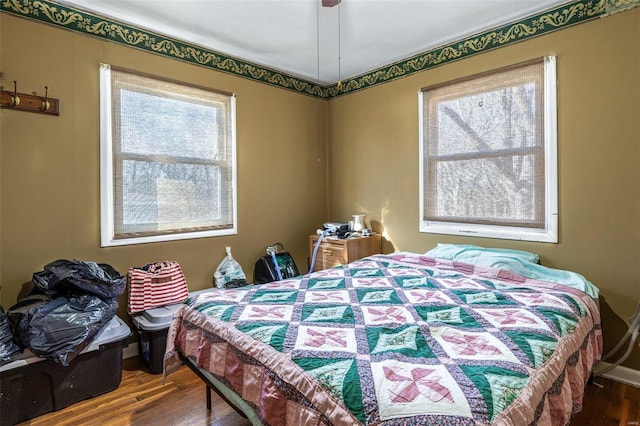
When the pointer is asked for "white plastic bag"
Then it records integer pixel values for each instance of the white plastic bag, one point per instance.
(228, 270)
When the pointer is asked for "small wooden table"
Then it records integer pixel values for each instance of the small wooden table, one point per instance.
(333, 251)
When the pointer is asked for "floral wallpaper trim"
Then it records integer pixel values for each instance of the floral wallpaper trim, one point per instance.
(76, 20)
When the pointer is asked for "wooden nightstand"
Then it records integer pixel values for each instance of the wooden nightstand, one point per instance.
(333, 252)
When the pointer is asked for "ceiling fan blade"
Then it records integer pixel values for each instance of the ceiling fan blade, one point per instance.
(330, 3)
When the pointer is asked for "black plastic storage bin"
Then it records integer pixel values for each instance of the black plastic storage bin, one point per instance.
(31, 386)
(152, 326)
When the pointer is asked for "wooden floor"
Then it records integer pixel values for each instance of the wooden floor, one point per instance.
(608, 403)
(142, 399)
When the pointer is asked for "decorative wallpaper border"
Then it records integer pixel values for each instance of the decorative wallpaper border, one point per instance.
(552, 20)
(572, 13)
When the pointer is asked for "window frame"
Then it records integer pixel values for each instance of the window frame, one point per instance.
(548, 233)
(107, 191)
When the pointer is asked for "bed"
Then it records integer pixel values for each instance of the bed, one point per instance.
(399, 339)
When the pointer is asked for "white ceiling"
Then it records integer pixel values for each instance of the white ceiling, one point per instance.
(306, 40)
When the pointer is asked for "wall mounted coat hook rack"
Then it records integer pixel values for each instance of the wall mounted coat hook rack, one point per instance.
(29, 103)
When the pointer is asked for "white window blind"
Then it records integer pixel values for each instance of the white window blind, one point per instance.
(488, 154)
(167, 160)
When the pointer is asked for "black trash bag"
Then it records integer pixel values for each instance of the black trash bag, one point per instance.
(71, 303)
(60, 328)
(9, 349)
(74, 277)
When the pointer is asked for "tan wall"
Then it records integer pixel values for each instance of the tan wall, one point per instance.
(50, 165)
(49, 198)
(374, 158)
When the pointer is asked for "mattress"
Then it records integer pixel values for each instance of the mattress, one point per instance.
(396, 339)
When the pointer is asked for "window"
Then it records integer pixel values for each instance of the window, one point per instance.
(167, 159)
(488, 154)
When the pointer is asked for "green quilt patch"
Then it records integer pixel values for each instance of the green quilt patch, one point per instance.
(274, 296)
(416, 282)
(271, 334)
(340, 376)
(363, 273)
(483, 297)
(407, 340)
(564, 322)
(316, 284)
(447, 275)
(342, 314)
(498, 386)
(222, 312)
(538, 347)
(396, 266)
(572, 302)
(488, 283)
(387, 296)
(453, 315)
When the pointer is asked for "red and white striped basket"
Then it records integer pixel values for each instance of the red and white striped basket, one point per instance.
(156, 284)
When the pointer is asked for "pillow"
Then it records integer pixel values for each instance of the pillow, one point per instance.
(465, 252)
(517, 261)
(538, 272)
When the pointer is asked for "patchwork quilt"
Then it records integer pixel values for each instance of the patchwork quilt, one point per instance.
(395, 340)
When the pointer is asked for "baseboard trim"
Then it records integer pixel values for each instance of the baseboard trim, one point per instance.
(625, 375)
(130, 351)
